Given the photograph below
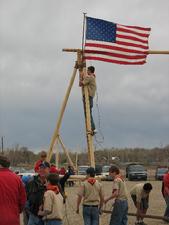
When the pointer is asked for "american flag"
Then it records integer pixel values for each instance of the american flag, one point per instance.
(115, 43)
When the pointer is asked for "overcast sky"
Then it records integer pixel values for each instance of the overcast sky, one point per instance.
(34, 74)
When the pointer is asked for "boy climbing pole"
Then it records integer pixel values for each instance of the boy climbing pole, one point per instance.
(89, 79)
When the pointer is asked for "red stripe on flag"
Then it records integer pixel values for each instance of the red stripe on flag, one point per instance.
(132, 32)
(115, 61)
(131, 38)
(115, 48)
(131, 44)
(116, 54)
(138, 28)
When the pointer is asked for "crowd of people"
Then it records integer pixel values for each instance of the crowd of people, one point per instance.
(41, 198)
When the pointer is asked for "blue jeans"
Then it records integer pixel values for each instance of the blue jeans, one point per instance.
(167, 205)
(35, 220)
(53, 222)
(119, 213)
(91, 215)
(91, 106)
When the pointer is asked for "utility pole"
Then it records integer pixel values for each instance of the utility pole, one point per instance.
(2, 144)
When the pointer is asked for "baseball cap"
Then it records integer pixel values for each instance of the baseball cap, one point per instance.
(44, 165)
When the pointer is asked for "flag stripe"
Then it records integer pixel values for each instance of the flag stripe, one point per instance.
(136, 28)
(115, 58)
(132, 35)
(114, 50)
(109, 42)
(114, 46)
(132, 32)
(132, 44)
(111, 60)
(116, 54)
(131, 38)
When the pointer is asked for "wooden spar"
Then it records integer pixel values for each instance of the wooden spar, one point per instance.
(89, 137)
(66, 152)
(149, 52)
(76, 161)
(134, 214)
(83, 177)
(89, 129)
(158, 52)
(56, 132)
(56, 153)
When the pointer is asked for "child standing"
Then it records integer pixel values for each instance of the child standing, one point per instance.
(53, 202)
(119, 193)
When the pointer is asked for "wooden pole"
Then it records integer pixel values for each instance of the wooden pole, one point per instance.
(76, 161)
(89, 137)
(66, 152)
(57, 158)
(134, 214)
(149, 52)
(158, 52)
(56, 132)
(88, 128)
(56, 153)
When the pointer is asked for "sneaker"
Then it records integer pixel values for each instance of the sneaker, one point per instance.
(166, 218)
(142, 223)
(95, 131)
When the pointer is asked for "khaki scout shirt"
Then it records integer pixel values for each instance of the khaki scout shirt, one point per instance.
(91, 193)
(138, 191)
(53, 203)
(119, 184)
(90, 81)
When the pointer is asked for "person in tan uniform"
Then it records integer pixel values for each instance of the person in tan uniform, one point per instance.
(119, 193)
(92, 194)
(52, 210)
(140, 196)
(89, 79)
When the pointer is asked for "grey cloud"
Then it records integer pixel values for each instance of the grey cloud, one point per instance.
(34, 74)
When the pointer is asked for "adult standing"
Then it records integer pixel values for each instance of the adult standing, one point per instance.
(92, 194)
(43, 157)
(119, 194)
(13, 195)
(35, 193)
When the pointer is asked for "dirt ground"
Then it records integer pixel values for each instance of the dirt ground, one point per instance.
(156, 205)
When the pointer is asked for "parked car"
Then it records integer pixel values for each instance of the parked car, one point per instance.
(160, 171)
(82, 170)
(105, 173)
(98, 169)
(136, 172)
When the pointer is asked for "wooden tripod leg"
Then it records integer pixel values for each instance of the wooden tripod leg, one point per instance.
(88, 129)
(66, 152)
(56, 149)
(58, 124)
(89, 136)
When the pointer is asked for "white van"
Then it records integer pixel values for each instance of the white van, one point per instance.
(105, 172)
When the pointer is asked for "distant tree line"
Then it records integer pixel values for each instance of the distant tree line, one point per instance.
(22, 156)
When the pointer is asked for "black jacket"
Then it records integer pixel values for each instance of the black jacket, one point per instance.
(35, 192)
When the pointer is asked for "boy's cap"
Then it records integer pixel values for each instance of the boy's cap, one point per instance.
(53, 169)
(44, 165)
(90, 170)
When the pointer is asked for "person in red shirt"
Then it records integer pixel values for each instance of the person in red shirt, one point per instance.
(62, 171)
(42, 159)
(165, 192)
(13, 194)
